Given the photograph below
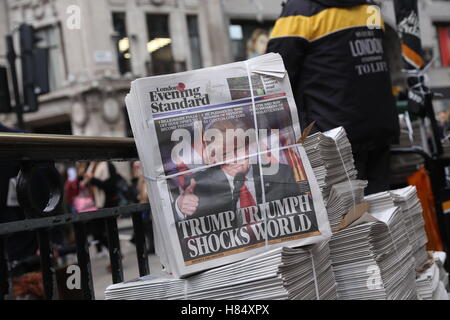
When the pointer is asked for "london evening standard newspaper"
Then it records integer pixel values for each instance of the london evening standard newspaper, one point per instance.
(225, 183)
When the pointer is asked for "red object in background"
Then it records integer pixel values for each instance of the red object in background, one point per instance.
(71, 190)
(422, 181)
(444, 44)
(30, 286)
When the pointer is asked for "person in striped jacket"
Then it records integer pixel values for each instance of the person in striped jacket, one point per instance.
(334, 54)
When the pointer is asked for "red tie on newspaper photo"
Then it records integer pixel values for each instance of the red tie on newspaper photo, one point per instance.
(246, 201)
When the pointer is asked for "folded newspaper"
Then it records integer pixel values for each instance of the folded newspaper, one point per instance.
(226, 176)
(279, 274)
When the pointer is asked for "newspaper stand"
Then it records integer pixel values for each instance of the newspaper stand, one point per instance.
(42, 151)
(436, 163)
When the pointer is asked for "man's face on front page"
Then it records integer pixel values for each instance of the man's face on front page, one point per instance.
(236, 155)
(236, 149)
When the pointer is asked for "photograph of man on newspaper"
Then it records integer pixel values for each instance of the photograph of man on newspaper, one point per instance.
(235, 200)
(234, 185)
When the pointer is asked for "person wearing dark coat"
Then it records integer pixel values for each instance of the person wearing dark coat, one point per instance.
(334, 54)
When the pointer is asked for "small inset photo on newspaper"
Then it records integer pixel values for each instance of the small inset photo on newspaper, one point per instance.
(240, 87)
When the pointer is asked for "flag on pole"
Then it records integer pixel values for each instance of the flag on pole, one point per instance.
(409, 31)
(408, 28)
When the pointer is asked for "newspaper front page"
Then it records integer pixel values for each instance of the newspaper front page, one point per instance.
(226, 177)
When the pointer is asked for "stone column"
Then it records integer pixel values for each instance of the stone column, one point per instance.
(217, 26)
(3, 30)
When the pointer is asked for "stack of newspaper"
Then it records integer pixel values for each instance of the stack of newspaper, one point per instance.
(151, 287)
(439, 258)
(330, 154)
(283, 273)
(408, 200)
(372, 258)
(226, 177)
(343, 197)
(431, 279)
(383, 201)
(401, 253)
(427, 282)
(380, 201)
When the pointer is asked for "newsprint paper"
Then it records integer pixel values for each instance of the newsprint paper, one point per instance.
(226, 177)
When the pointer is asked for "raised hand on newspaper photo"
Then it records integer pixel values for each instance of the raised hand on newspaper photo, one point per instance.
(188, 202)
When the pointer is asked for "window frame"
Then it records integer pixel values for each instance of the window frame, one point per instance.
(61, 53)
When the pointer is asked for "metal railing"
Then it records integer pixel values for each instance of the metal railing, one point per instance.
(40, 152)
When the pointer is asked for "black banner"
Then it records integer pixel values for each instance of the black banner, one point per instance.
(408, 27)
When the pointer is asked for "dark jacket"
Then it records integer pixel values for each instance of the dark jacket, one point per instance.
(109, 186)
(337, 67)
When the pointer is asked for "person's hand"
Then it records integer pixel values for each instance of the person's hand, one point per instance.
(87, 178)
(84, 183)
(188, 202)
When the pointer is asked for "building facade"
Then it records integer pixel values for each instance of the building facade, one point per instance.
(97, 47)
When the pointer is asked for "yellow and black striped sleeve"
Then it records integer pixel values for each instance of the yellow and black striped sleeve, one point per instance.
(301, 24)
(327, 22)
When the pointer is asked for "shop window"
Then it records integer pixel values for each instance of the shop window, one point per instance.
(444, 44)
(122, 42)
(159, 44)
(50, 37)
(194, 42)
(249, 38)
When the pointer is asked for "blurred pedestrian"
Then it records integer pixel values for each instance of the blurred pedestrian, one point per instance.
(71, 189)
(257, 45)
(138, 181)
(83, 201)
(102, 179)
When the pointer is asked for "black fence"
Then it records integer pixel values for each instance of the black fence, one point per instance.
(37, 155)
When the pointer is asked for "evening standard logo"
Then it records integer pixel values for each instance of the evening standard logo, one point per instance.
(173, 98)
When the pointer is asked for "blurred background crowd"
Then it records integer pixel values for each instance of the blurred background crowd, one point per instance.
(87, 187)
